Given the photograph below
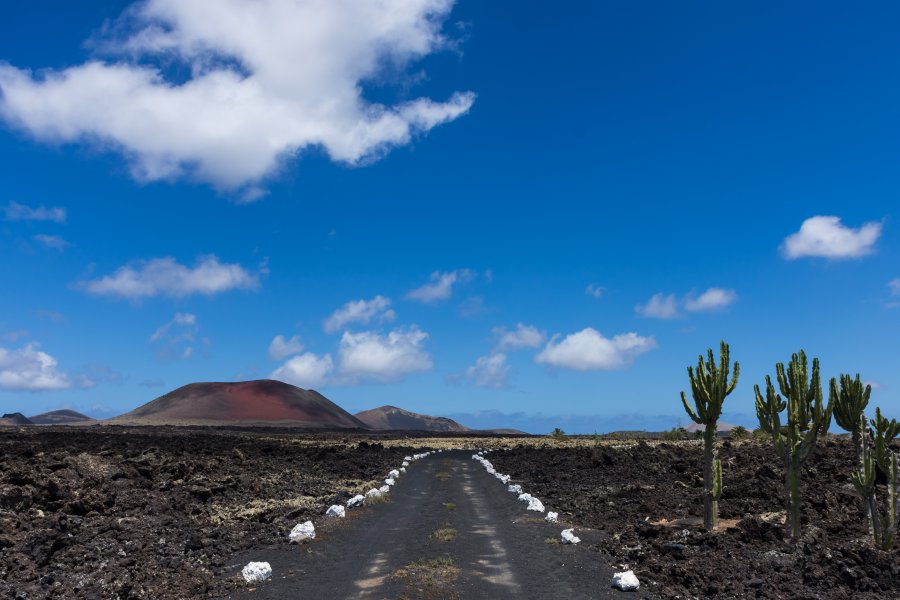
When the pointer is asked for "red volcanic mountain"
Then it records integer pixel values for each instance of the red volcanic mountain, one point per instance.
(391, 417)
(262, 402)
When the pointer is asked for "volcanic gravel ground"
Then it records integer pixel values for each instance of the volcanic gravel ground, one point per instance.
(625, 490)
(400, 549)
(156, 512)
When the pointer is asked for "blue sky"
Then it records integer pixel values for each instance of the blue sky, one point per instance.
(515, 214)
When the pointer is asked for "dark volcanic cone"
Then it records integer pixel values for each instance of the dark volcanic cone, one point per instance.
(60, 417)
(262, 402)
(391, 417)
(15, 419)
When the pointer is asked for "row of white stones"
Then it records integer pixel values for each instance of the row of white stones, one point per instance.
(255, 572)
(625, 581)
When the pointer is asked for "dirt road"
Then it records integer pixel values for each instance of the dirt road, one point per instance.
(449, 530)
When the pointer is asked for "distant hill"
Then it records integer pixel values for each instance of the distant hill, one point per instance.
(14, 419)
(60, 417)
(391, 417)
(261, 402)
(720, 427)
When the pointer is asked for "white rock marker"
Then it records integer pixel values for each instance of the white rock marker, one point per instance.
(515, 488)
(394, 474)
(569, 537)
(552, 517)
(336, 511)
(302, 532)
(535, 505)
(374, 493)
(255, 572)
(384, 489)
(626, 581)
(389, 481)
(356, 500)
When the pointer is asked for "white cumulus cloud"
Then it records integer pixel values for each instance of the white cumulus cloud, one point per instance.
(660, 306)
(360, 311)
(31, 369)
(589, 350)
(281, 348)
(523, 336)
(177, 336)
(827, 237)
(306, 370)
(267, 79)
(440, 287)
(21, 212)
(379, 357)
(489, 371)
(166, 277)
(712, 299)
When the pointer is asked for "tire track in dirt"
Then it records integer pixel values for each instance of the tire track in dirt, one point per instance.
(449, 531)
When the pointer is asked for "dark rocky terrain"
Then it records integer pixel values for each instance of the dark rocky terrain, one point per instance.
(104, 513)
(636, 494)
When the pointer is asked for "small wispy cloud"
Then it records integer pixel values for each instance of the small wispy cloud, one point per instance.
(178, 336)
(491, 371)
(51, 241)
(378, 310)
(166, 277)
(22, 212)
(440, 287)
(595, 291)
(660, 306)
(280, 348)
(523, 336)
(669, 306)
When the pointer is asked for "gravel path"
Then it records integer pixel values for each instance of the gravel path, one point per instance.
(449, 530)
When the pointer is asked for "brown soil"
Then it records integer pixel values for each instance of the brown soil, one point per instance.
(156, 512)
(637, 494)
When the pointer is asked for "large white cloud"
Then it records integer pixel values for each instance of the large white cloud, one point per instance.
(589, 350)
(489, 371)
(281, 348)
(827, 237)
(375, 356)
(307, 370)
(524, 336)
(31, 369)
(440, 287)
(360, 311)
(166, 277)
(268, 78)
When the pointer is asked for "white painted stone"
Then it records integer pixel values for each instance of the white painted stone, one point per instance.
(302, 532)
(515, 488)
(336, 511)
(374, 493)
(384, 489)
(569, 537)
(525, 497)
(393, 474)
(403, 469)
(535, 505)
(255, 572)
(389, 481)
(626, 581)
(405, 462)
(552, 517)
(357, 500)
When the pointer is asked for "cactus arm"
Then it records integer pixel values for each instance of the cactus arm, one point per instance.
(689, 410)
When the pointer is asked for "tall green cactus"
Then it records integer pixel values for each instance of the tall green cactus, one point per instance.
(807, 419)
(709, 387)
(849, 401)
(882, 527)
